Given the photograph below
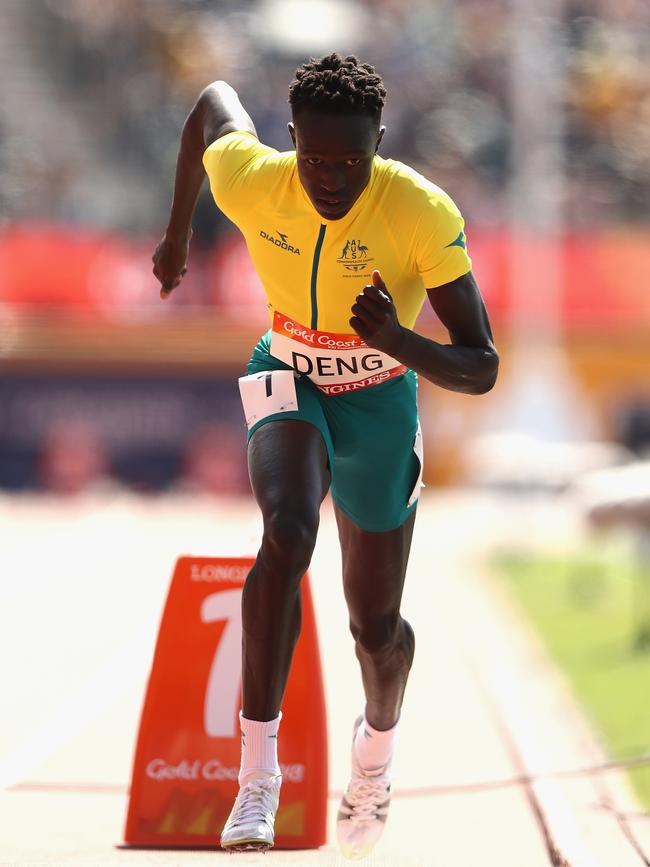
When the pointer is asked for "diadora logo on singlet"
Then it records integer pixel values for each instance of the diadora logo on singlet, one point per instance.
(280, 241)
(354, 255)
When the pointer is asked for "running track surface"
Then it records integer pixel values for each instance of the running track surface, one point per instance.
(487, 721)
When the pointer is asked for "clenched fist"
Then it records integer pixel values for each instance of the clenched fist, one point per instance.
(375, 318)
(170, 263)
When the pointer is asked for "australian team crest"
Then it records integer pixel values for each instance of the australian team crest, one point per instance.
(354, 256)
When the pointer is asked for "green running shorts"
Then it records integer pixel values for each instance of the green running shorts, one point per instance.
(373, 441)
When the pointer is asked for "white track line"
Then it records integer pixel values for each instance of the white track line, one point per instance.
(504, 687)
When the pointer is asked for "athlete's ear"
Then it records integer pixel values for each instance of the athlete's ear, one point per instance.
(380, 135)
(292, 132)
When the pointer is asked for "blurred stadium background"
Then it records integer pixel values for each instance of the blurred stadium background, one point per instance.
(538, 126)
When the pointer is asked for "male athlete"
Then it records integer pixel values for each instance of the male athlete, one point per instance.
(347, 245)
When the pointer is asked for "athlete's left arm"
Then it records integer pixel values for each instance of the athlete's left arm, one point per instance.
(469, 364)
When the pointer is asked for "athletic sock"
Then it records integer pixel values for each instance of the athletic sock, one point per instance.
(372, 748)
(259, 748)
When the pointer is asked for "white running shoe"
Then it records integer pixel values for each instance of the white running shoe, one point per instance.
(364, 808)
(251, 821)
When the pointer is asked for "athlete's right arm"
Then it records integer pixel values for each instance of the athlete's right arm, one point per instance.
(217, 112)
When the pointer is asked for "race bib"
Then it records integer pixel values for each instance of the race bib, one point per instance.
(336, 363)
(267, 393)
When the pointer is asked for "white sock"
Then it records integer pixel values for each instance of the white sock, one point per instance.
(259, 748)
(373, 748)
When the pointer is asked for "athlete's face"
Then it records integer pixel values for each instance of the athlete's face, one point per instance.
(334, 154)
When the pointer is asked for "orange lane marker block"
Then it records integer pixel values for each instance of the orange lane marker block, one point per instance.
(186, 761)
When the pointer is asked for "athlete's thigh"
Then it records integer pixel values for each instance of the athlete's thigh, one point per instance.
(375, 466)
(374, 565)
(288, 465)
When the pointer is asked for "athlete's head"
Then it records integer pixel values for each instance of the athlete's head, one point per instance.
(336, 104)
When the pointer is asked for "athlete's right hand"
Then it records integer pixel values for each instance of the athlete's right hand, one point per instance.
(170, 263)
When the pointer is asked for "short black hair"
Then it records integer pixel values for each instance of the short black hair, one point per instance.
(337, 85)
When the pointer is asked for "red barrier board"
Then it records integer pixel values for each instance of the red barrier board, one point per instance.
(184, 778)
(603, 274)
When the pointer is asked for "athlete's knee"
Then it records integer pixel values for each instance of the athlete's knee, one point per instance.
(288, 540)
(375, 635)
(383, 636)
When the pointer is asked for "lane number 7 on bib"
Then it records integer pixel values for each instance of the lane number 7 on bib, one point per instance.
(267, 393)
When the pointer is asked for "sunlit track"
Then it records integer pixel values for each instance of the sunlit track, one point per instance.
(458, 777)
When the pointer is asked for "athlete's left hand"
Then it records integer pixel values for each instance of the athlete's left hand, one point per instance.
(375, 317)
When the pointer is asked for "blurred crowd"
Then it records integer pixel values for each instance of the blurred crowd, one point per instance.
(74, 458)
(93, 95)
(109, 82)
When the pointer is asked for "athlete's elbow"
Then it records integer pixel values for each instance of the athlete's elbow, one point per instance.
(488, 373)
(219, 86)
(211, 99)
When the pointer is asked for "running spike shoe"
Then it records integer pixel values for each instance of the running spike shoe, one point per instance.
(250, 825)
(364, 808)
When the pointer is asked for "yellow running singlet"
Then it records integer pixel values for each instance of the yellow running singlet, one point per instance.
(313, 268)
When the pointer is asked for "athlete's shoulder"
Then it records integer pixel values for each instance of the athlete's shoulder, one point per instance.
(435, 224)
(410, 187)
(243, 149)
(242, 170)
